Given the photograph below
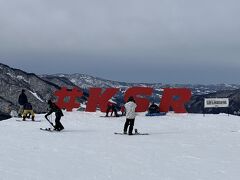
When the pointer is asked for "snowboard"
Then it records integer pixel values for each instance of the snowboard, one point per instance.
(111, 116)
(118, 133)
(156, 114)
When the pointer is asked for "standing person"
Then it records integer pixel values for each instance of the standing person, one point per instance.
(130, 107)
(58, 113)
(27, 109)
(22, 99)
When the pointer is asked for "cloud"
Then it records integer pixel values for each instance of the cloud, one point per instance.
(148, 33)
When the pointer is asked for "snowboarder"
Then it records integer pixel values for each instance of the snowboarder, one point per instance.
(153, 108)
(22, 99)
(27, 109)
(130, 107)
(58, 113)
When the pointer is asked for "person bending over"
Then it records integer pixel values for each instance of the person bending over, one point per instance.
(58, 113)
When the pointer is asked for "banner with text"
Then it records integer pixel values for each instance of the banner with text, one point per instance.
(216, 102)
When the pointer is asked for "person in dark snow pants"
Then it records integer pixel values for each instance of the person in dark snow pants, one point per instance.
(130, 107)
(58, 113)
(111, 107)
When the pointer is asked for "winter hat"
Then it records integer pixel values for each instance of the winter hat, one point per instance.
(131, 99)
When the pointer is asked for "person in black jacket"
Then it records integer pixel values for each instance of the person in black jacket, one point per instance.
(22, 99)
(153, 108)
(58, 113)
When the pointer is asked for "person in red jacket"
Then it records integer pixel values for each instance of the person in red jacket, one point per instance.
(123, 110)
(109, 108)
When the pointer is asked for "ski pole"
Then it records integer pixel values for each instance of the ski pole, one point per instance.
(50, 122)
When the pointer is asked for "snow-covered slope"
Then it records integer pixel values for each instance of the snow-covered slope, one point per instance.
(179, 147)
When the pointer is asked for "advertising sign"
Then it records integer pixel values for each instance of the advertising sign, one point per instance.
(216, 102)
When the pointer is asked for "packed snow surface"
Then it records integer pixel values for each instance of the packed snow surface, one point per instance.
(179, 147)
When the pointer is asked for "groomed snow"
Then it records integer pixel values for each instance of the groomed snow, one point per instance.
(179, 147)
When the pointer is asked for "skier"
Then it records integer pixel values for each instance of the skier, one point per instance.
(58, 113)
(130, 107)
(27, 109)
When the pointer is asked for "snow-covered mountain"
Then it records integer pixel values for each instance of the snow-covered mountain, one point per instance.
(196, 103)
(40, 88)
(199, 92)
(86, 81)
(12, 81)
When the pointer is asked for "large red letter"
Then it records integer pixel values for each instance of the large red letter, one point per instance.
(64, 93)
(96, 97)
(176, 99)
(142, 103)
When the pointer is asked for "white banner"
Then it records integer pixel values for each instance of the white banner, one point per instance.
(216, 102)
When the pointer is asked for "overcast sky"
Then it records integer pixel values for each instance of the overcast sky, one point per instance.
(170, 41)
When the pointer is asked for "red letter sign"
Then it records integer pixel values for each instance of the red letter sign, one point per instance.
(142, 103)
(176, 99)
(96, 97)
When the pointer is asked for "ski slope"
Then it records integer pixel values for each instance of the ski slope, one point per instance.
(179, 147)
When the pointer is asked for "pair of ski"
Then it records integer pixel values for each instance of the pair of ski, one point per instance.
(49, 129)
(20, 120)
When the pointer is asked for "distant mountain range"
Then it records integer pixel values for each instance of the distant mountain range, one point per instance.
(86, 81)
(40, 88)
